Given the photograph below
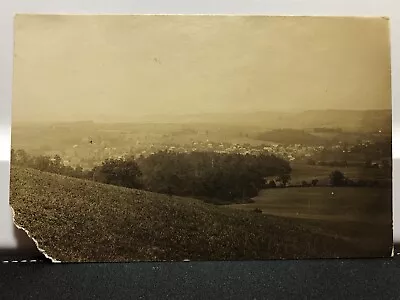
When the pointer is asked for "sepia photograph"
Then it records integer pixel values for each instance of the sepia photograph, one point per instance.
(202, 137)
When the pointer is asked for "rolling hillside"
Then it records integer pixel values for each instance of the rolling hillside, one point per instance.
(77, 220)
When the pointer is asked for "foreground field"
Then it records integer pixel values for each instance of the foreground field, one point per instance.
(77, 220)
(360, 215)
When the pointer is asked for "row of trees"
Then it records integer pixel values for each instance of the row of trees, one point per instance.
(337, 178)
(206, 175)
(209, 176)
(46, 163)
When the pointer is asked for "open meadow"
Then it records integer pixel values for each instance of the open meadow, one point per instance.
(362, 216)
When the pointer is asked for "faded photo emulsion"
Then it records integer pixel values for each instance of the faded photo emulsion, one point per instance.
(171, 138)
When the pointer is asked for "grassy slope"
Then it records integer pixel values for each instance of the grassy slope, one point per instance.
(77, 220)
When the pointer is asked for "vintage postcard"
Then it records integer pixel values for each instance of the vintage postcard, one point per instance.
(171, 138)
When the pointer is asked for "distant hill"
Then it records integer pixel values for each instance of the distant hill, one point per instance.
(349, 119)
(78, 220)
(346, 119)
(290, 136)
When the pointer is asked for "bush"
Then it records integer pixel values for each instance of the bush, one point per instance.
(284, 179)
(305, 184)
(337, 178)
(271, 184)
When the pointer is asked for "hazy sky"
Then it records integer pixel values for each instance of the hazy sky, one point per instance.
(70, 67)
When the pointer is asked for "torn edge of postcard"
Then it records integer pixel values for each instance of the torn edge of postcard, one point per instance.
(53, 260)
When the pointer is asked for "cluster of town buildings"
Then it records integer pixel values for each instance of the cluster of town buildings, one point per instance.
(89, 155)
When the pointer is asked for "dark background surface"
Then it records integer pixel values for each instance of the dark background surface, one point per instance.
(305, 279)
(37, 278)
